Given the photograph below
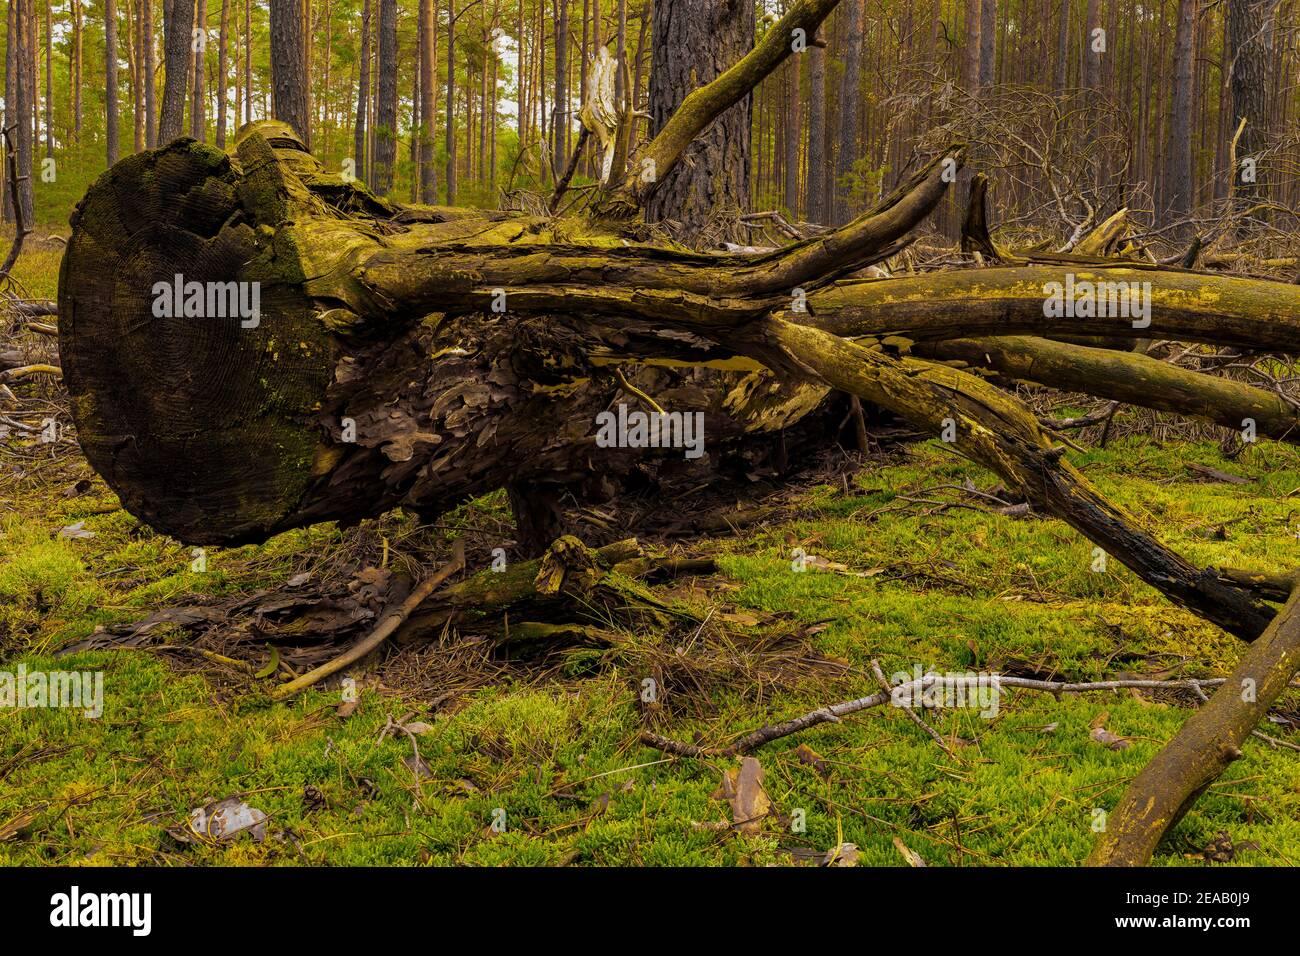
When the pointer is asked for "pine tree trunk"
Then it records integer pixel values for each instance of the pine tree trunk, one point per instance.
(110, 79)
(1249, 56)
(363, 98)
(386, 102)
(288, 67)
(451, 103)
(846, 152)
(223, 68)
(199, 94)
(815, 185)
(178, 20)
(428, 38)
(1178, 147)
(693, 41)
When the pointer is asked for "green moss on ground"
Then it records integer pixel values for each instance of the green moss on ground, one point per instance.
(958, 589)
(955, 589)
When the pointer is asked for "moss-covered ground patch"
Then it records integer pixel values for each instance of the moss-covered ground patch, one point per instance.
(946, 588)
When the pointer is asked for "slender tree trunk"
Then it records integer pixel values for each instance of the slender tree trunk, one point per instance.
(620, 54)
(150, 74)
(326, 107)
(971, 26)
(198, 98)
(13, 91)
(386, 105)
(560, 114)
(178, 20)
(288, 67)
(135, 72)
(428, 30)
(223, 72)
(1178, 146)
(76, 69)
(791, 127)
(110, 79)
(492, 127)
(1249, 57)
(248, 60)
(49, 81)
(815, 183)
(363, 98)
(847, 148)
(988, 42)
(1063, 47)
(451, 102)
(416, 135)
(1091, 60)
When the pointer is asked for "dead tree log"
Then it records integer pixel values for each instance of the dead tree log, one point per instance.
(252, 345)
(408, 357)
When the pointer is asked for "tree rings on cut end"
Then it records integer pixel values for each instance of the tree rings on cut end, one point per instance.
(195, 363)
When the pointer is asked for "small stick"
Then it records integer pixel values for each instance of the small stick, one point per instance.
(381, 633)
(916, 718)
(13, 374)
(834, 713)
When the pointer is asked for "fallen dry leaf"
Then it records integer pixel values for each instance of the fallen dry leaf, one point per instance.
(743, 789)
(846, 854)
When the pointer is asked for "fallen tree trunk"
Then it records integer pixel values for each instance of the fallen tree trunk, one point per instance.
(342, 355)
(412, 357)
(1204, 746)
(415, 356)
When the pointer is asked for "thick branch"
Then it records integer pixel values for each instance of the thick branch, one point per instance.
(650, 164)
(1190, 306)
(1132, 378)
(996, 430)
(1203, 748)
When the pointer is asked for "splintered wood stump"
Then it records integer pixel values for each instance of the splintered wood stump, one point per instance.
(379, 371)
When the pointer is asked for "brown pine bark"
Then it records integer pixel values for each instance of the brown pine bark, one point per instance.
(1249, 55)
(386, 97)
(223, 72)
(560, 120)
(178, 52)
(248, 61)
(846, 151)
(49, 82)
(360, 137)
(815, 183)
(288, 67)
(452, 16)
(199, 89)
(110, 80)
(150, 65)
(76, 69)
(1176, 203)
(692, 42)
(427, 28)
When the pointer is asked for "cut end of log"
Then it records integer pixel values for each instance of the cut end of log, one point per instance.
(204, 424)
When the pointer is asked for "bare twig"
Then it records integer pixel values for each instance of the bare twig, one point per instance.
(386, 627)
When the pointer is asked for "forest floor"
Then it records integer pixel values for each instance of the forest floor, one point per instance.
(555, 743)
